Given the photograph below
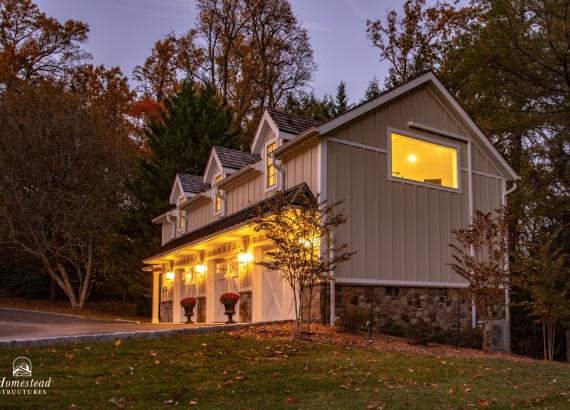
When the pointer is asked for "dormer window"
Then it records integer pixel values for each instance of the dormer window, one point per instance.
(218, 195)
(270, 170)
(181, 215)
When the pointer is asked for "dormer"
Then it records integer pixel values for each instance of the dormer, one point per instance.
(222, 163)
(186, 186)
(274, 130)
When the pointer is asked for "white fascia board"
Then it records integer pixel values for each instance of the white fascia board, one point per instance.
(265, 123)
(213, 160)
(176, 184)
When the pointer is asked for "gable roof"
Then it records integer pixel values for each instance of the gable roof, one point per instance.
(292, 196)
(193, 184)
(230, 158)
(447, 98)
(290, 123)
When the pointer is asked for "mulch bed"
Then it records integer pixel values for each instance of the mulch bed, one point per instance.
(321, 334)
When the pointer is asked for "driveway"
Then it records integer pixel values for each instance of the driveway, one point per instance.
(23, 325)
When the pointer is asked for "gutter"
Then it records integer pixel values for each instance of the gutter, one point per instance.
(296, 141)
(245, 170)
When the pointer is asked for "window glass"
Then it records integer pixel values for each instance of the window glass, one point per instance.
(271, 172)
(218, 207)
(424, 161)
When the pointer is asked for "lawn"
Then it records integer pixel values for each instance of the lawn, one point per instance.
(253, 369)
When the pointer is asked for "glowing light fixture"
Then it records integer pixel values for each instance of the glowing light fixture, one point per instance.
(244, 257)
(412, 158)
(200, 269)
(170, 275)
(188, 276)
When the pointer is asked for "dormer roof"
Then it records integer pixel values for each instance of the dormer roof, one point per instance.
(289, 123)
(227, 161)
(187, 185)
(234, 159)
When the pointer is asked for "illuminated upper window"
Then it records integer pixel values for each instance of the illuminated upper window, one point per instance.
(218, 205)
(270, 172)
(424, 161)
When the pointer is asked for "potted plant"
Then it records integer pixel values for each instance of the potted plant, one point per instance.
(229, 301)
(188, 304)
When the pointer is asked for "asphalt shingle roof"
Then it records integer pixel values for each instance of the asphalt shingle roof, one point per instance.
(290, 123)
(293, 196)
(235, 159)
(193, 183)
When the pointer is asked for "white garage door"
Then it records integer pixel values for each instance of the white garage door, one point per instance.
(277, 297)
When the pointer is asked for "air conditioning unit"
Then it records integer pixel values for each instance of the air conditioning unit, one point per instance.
(499, 336)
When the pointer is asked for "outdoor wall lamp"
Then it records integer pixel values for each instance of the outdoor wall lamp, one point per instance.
(170, 275)
(200, 269)
(244, 257)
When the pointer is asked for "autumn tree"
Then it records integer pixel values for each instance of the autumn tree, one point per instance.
(305, 250)
(419, 39)
(254, 53)
(64, 166)
(34, 46)
(479, 257)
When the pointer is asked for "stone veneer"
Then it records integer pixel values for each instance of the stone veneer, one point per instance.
(405, 306)
(245, 305)
(201, 310)
(165, 312)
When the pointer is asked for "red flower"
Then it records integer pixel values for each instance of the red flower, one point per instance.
(229, 298)
(188, 301)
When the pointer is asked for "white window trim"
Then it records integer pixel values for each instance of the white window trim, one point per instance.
(215, 190)
(269, 188)
(391, 130)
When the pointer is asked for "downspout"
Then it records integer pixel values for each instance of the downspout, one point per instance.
(507, 288)
(278, 164)
(173, 222)
(470, 178)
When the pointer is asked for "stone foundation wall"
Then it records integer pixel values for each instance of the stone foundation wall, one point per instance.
(165, 312)
(404, 306)
(245, 305)
(201, 310)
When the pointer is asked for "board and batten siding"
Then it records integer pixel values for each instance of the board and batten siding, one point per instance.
(303, 168)
(402, 231)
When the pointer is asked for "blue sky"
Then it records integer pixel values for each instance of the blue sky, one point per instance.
(122, 32)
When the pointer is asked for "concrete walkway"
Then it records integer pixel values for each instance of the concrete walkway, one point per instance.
(22, 327)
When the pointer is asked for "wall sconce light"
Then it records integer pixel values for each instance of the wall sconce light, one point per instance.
(244, 257)
(188, 277)
(200, 269)
(169, 275)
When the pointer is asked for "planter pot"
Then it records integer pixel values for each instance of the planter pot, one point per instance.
(230, 311)
(189, 312)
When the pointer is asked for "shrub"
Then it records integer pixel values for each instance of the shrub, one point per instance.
(420, 333)
(353, 319)
(471, 338)
(392, 329)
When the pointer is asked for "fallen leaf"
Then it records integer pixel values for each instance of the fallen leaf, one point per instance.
(193, 402)
(484, 403)
(153, 354)
(118, 342)
(114, 401)
(292, 400)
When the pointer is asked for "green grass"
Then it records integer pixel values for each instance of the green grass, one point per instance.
(229, 371)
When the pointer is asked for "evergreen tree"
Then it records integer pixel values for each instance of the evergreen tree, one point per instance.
(308, 105)
(180, 139)
(372, 90)
(341, 99)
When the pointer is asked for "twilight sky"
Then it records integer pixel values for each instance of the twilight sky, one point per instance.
(122, 32)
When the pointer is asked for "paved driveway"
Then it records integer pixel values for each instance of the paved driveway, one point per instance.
(21, 325)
